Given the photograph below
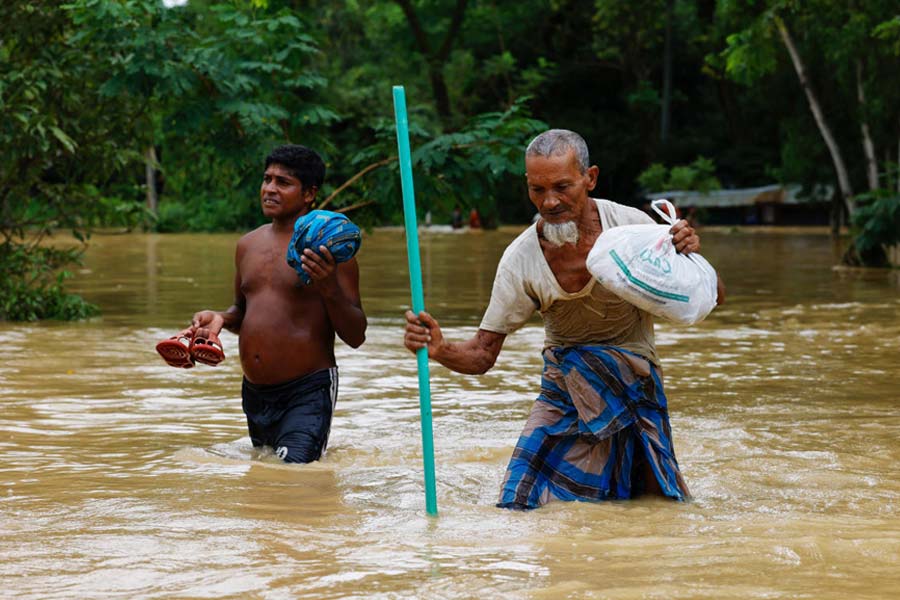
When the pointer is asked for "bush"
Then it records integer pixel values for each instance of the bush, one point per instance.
(876, 224)
(209, 215)
(32, 287)
(698, 176)
(654, 178)
(67, 155)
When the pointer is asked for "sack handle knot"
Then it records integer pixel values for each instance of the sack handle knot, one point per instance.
(669, 217)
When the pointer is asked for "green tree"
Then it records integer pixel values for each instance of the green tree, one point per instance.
(844, 37)
(369, 47)
(462, 168)
(63, 142)
(218, 86)
(849, 42)
(698, 176)
(436, 53)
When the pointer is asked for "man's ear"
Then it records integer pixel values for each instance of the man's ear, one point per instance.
(592, 173)
(309, 195)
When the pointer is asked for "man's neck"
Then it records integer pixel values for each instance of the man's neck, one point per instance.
(286, 224)
(589, 226)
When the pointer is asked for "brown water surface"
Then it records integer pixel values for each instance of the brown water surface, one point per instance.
(124, 478)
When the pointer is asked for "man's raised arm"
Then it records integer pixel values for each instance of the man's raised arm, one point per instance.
(472, 357)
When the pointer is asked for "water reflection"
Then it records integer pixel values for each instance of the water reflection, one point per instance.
(123, 477)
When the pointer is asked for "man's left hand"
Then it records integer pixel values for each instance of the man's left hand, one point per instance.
(684, 238)
(322, 270)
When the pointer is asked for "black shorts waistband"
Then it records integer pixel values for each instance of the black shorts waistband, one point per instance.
(309, 381)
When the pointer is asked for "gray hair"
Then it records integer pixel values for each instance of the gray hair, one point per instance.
(557, 142)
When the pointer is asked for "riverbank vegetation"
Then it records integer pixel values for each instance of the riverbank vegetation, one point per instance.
(133, 114)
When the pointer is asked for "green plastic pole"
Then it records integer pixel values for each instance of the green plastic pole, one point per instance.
(418, 298)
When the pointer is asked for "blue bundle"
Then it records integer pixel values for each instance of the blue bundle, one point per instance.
(323, 228)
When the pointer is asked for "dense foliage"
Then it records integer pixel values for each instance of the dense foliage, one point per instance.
(131, 113)
(62, 149)
(876, 224)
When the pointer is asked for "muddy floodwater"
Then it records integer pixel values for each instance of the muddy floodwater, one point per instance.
(121, 477)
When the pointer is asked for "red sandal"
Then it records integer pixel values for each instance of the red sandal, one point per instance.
(207, 350)
(176, 350)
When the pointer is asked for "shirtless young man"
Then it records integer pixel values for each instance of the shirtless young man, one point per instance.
(286, 329)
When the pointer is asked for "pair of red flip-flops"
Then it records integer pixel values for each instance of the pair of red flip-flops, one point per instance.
(184, 349)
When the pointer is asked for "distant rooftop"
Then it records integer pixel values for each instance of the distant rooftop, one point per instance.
(767, 194)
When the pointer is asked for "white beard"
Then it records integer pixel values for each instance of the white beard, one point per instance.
(559, 234)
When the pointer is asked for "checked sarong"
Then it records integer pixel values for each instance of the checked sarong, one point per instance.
(600, 416)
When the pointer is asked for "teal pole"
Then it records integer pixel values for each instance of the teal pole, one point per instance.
(415, 284)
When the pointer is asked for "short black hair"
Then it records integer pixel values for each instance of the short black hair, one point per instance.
(303, 163)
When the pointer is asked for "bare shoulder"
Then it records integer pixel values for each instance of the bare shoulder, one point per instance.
(254, 237)
(257, 234)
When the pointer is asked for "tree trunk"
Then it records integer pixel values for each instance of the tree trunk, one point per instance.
(666, 117)
(836, 214)
(836, 157)
(150, 164)
(439, 90)
(436, 59)
(868, 146)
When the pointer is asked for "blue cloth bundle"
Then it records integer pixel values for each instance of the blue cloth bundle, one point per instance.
(323, 228)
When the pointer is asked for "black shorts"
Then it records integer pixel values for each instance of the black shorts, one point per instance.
(294, 417)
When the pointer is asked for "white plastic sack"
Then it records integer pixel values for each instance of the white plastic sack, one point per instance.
(639, 264)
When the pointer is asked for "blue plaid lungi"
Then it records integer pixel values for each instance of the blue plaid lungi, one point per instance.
(600, 416)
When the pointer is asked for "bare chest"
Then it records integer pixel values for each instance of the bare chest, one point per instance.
(569, 266)
(265, 268)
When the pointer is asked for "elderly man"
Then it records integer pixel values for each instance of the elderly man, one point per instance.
(600, 427)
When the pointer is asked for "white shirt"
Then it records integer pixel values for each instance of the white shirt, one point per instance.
(524, 283)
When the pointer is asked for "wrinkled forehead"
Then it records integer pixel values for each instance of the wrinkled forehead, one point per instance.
(552, 168)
